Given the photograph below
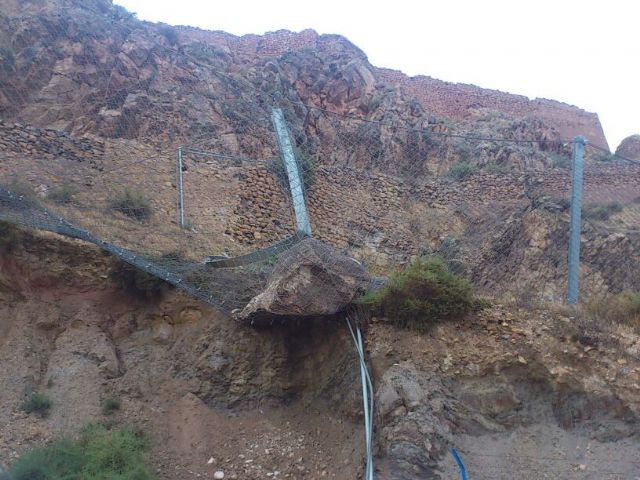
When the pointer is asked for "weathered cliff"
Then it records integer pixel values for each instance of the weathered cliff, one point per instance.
(92, 68)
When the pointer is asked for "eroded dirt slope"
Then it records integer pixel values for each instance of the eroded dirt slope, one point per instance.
(535, 393)
(256, 402)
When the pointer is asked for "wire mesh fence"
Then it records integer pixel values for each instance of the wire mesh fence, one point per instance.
(171, 163)
(382, 178)
(497, 208)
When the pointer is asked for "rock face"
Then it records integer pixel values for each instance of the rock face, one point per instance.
(310, 280)
(459, 101)
(630, 147)
(92, 68)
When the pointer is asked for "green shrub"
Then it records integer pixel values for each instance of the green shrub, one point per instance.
(170, 33)
(60, 459)
(37, 403)
(8, 59)
(422, 294)
(496, 168)
(560, 161)
(20, 187)
(9, 236)
(132, 203)
(62, 195)
(622, 308)
(462, 147)
(110, 405)
(461, 170)
(601, 211)
(136, 282)
(604, 157)
(97, 454)
(116, 454)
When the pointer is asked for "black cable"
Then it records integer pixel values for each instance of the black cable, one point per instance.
(606, 150)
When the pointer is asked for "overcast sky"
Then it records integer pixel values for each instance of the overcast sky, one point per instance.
(586, 53)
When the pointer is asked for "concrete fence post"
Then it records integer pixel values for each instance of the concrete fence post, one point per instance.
(577, 166)
(293, 173)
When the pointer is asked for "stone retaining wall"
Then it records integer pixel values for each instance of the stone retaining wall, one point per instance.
(458, 101)
(29, 140)
(351, 208)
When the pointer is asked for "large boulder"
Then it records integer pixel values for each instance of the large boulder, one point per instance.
(310, 280)
(630, 147)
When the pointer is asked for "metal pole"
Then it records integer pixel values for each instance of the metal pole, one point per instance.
(576, 212)
(367, 398)
(295, 182)
(368, 415)
(180, 188)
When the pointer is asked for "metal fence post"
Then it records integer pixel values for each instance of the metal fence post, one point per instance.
(180, 188)
(295, 182)
(576, 212)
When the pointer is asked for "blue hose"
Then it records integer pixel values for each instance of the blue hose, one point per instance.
(463, 472)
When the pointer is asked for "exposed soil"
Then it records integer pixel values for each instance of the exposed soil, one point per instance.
(211, 394)
(525, 394)
(528, 393)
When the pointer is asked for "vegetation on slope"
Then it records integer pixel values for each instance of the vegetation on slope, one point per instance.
(37, 403)
(97, 454)
(422, 294)
(621, 309)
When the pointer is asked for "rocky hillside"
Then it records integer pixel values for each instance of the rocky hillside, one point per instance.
(513, 390)
(92, 68)
(94, 102)
(105, 98)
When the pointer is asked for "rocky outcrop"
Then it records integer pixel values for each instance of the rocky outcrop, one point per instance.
(629, 147)
(310, 280)
(460, 101)
(91, 67)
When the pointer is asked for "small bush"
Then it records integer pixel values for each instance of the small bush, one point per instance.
(110, 453)
(60, 459)
(560, 161)
(136, 282)
(461, 170)
(131, 203)
(9, 236)
(604, 157)
(462, 148)
(623, 309)
(601, 211)
(62, 195)
(496, 168)
(37, 403)
(20, 187)
(8, 59)
(110, 405)
(422, 294)
(170, 33)
(97, 454)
